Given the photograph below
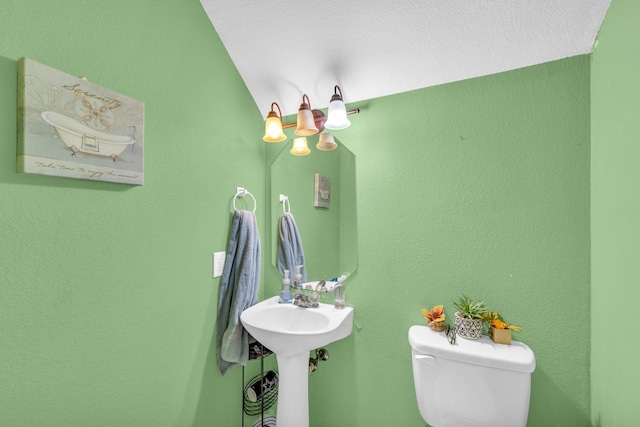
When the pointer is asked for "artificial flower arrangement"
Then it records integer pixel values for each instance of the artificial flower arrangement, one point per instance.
(499, 330)
(435, 317)
(496, 321)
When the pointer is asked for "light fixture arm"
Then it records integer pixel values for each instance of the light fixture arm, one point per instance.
(290, 125)
(336, 90)
(279, 110)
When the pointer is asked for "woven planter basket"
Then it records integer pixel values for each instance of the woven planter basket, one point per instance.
(437, 326)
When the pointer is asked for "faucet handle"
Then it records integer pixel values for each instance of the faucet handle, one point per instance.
(314, 300)
(300, 299)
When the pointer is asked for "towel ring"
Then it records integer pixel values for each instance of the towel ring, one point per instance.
(284, 199)
(241, 192)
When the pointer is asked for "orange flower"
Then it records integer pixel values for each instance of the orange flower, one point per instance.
(499, 324)
(436, 314)
(496, 320)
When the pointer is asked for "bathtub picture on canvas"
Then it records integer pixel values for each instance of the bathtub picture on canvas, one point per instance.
(70, 127)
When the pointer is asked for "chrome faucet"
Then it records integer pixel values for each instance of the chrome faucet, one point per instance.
(301, 300)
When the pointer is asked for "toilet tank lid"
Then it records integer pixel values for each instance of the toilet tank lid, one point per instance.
(484, 352)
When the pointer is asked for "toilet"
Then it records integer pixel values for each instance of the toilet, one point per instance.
(473, 383)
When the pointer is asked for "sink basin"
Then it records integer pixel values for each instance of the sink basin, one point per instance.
(287, 329)
(291, 332)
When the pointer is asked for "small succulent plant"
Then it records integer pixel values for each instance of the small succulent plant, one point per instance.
(469, 308)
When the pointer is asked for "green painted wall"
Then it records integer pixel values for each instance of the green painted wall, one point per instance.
(107, 305)
(615, 209)
(106, 302)
(481, 187)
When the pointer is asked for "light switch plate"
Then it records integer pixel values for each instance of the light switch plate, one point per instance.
(218, 263)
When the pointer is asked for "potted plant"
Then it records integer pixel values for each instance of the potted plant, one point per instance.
(435, 317)
(499, 330)
(469, 317)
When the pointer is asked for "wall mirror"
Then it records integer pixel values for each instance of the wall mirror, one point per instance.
(328, 233)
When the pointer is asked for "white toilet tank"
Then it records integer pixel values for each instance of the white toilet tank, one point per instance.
(474, 383)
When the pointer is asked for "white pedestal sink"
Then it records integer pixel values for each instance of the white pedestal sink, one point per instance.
(291, 333)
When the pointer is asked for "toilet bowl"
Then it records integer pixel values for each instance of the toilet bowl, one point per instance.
(473, 383)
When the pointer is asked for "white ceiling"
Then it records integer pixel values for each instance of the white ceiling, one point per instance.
(373, 48)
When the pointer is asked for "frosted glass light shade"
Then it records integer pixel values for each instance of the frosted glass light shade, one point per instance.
(273, 125)
(306, 124)
(300, 147)
(326, 142)
(337, 115)
(273, 129)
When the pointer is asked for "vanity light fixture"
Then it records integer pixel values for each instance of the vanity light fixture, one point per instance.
(306, 123)
(300, 147)
(337, 115)
(273, 126)
(309, 122)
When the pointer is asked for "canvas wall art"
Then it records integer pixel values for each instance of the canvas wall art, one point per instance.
(70, 127)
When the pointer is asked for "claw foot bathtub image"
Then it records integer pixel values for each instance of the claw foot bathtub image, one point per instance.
(84, 139)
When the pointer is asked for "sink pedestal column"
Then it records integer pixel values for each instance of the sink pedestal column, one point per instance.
(293, 390)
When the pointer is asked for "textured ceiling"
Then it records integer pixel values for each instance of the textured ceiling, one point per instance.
(372, 48)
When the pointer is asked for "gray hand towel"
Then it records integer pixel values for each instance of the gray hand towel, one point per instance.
(238, 290)
(290, 253)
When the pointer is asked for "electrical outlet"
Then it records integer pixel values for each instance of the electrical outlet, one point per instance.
(218, 263)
